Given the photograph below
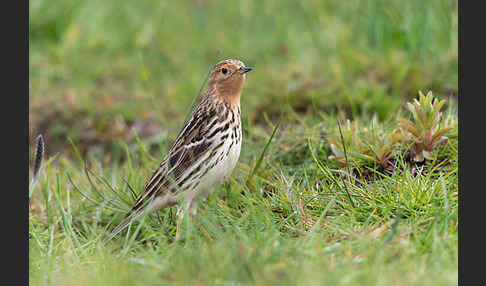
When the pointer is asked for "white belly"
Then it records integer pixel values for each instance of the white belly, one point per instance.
(224, 165)
(222, 170)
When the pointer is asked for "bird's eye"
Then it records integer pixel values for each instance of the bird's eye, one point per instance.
(224, 70)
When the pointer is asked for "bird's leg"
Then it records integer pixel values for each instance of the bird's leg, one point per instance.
(193, 208)
(181, 210)
(193, 212)
(189, 206)
(180, 215)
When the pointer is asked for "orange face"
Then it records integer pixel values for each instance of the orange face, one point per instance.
(229, 69)
(228, 77)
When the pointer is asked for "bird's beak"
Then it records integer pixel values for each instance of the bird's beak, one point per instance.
(243, 70)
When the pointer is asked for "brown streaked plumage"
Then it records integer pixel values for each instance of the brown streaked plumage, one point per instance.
(204, 153)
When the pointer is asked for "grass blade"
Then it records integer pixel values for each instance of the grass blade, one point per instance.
(260, 158)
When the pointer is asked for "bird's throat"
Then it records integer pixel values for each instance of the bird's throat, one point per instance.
(230, 91)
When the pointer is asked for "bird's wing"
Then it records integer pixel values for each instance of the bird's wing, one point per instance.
(185, 158)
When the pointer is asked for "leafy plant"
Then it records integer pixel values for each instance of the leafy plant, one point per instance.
(356, 148)
(426, 130)
(422, 133)
(370, 145)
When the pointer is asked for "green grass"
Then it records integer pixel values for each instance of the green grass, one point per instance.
(111, 83)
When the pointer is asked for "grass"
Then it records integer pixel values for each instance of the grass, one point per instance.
(111, 83)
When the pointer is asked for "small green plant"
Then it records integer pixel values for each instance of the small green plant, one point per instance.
(356, 148)
(382, 146)
(427, 130)
(368, 146)
(375, 144)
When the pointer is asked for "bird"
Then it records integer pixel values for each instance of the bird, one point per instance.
(204, 153)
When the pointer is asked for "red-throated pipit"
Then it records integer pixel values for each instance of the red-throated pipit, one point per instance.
(204, 153)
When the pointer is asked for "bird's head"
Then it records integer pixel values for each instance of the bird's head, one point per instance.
(227, 79)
